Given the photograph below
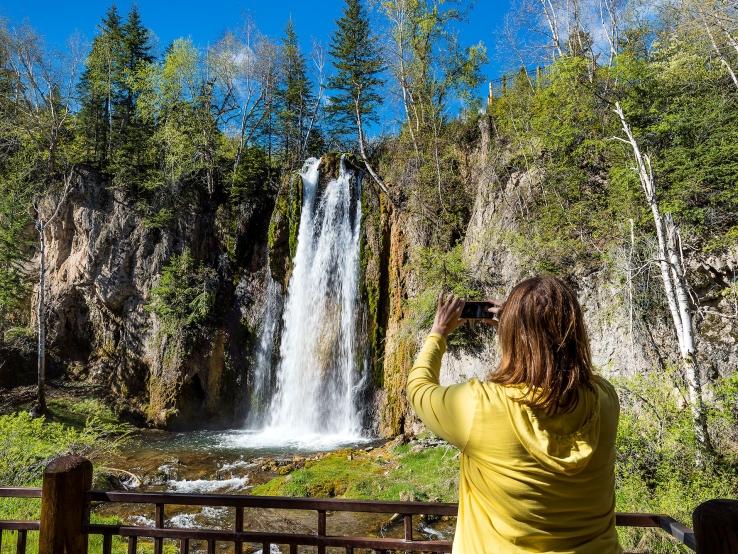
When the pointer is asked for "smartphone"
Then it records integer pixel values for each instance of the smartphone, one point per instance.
(476, 310)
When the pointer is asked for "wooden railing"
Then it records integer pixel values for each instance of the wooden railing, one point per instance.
(66, 500)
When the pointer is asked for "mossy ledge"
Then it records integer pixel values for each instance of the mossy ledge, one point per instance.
(395, 471)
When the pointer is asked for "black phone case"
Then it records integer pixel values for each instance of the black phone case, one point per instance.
(476, 310)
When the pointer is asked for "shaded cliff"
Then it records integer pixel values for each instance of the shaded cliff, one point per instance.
(104, 259)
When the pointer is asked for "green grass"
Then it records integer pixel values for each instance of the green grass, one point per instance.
(85, 427)
(430, 474)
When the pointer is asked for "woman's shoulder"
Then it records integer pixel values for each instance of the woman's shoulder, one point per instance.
(606, 390)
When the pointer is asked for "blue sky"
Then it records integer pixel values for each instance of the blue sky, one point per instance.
(206, 21)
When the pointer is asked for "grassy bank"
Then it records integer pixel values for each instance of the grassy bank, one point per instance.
(394, 472)
(85, 427)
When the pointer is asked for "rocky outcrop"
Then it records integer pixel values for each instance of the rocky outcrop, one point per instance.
(622, 343)
(104, 257)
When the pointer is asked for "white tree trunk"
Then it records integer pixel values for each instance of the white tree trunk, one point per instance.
(674, 280)
(41, 316)
(364, 157)
(715, 47)
(551, 19)
(41, 226)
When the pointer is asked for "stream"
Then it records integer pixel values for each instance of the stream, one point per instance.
(231, 462)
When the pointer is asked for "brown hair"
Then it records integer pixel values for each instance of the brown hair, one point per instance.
(544, 344)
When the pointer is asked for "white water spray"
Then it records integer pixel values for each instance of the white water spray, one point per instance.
(262, 382)
(318, 374)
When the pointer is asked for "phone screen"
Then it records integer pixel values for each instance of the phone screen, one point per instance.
(476, 310)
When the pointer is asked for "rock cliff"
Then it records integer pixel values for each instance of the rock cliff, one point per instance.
(105, 258)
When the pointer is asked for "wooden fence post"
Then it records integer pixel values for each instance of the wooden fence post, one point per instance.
(64, 506)
(715, 525)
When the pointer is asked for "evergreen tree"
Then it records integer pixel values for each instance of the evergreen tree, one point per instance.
(137, 45)
(100, 89)
(132, 131)
(294, 98)
(358, 64)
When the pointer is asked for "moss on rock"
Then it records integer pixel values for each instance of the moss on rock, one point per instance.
(284, 226)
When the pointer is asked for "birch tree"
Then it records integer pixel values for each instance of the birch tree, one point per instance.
(670, 259)
(244, 67)
(718, 49)
(42, 224)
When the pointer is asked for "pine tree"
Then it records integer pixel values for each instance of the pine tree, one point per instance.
(358, 65)
(136, 41)
(100, 89)
(294, 97)
(132, 131)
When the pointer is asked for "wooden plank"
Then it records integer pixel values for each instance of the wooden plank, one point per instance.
(14, 525)
(20, 492)
(184, 546)
(64, 506)
(408, 527)
(239, 528)
(159, 522)
(321, 530)
(20, 544)
(373, 543)
(276, 502)
(132, 542)
(107, 543)
(211, 546)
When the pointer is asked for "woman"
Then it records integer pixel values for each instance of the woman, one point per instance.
(537, 438)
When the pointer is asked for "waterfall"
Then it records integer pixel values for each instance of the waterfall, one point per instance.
(318, 375)
(262, 382)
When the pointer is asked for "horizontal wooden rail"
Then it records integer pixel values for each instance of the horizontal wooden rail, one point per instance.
(262, 537)
(679, 531)
(275, 502)
(20, 492)
(16, 525)
(80, 495)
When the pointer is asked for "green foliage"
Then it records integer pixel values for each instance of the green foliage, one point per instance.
(15, 244)
(655, 469)
(251, 179)
(183, 298)
(85, 427)
(294, 99)
(109, 128)
(439, 271)
(27, 443)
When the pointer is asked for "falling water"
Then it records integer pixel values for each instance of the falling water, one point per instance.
(262, 378)
(318, 376)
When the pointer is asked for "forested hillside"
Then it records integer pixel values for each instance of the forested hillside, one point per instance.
(148, 198)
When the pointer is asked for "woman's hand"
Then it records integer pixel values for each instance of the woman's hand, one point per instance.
(448, 314)
(495, 312)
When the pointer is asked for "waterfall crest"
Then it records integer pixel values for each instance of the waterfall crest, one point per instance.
(318, 375)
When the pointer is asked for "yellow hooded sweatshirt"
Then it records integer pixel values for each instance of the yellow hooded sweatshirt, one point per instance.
(529, 482)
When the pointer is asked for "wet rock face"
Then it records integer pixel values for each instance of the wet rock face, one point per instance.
(103, 261)
(284, 224)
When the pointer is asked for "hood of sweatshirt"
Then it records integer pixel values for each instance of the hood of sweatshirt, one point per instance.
(563, 443)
